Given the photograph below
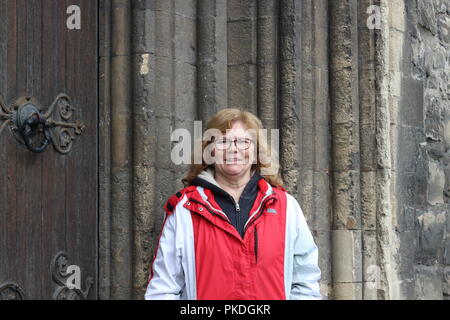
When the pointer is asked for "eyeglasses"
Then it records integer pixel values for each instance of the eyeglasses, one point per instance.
(241, 144)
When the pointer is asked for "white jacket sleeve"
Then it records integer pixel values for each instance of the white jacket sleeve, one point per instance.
(306, 272)
(167, 282)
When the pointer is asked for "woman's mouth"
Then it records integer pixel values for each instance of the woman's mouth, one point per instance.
(232, 160)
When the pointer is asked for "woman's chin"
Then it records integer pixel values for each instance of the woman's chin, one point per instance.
(233, 168)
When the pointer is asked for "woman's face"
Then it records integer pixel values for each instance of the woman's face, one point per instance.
(235, 151)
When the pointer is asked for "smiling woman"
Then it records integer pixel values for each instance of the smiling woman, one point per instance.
(233, 124)
(233, 232)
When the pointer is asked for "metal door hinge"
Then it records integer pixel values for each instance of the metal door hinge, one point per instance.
(35, 128)
(11, 291)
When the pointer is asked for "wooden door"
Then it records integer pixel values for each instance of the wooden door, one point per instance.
(48, 200)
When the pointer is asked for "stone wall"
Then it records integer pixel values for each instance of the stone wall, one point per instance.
(364, 127)
(421, 135)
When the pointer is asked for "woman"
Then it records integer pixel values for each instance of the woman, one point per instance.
(234, 233)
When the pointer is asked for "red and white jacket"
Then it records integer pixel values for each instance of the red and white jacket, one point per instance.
(200, 255)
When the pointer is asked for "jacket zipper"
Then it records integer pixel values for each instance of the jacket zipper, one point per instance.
(256, 244)
(238, 218)
(210, 211)
(261, 209)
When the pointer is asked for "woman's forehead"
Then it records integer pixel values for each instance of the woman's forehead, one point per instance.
(239, 132)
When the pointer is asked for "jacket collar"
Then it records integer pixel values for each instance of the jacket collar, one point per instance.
(202, 201)
(206, 179)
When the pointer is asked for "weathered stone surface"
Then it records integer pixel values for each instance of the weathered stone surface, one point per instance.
(347, 268)
(428, 283)
(427, 15)
(364, 121)
(446, 283)
(431, 234)
(436, 183)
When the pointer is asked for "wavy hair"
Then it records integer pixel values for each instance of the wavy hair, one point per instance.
(223, 120)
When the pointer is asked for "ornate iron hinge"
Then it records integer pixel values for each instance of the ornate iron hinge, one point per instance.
(35, 128)
(11, 291)
(61, 275)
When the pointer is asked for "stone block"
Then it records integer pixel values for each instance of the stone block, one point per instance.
(347, 291)
(410, 188)
(144, 181)
(267, 8)
(185, 40)
(164, 145)
(143, 29)
(346, 256)
(447, 240)
(408, 139)
(406, 289)
(444, 29)
(411, 103)
(290, 178)
(406, 218)
(164, 32)
(163, 95)
(322, 147)
(436, 183)
(323, 242)
(185, 91)
(371, 272)
(446, 283)
(166, 188)
(431, 228)
(267, 40)
(427, 15)
(397, 14)
(405, 258)
(321, 198)
(347, 204)
(428, 283)
(325, 290)
(368, 200)
(242, 81)
(186, 8)
(306, 192)
(241, 9)
(241, 42)
(434, 126)
(368, 146)
(144, 82)
(346, 146)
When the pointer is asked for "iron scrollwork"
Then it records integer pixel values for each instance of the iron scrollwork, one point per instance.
(11, 291)
(35, 128)
(60, 274)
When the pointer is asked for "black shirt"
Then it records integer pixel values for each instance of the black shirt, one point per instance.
(236, 212)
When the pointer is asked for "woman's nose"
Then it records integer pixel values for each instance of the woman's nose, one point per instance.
(233, 146)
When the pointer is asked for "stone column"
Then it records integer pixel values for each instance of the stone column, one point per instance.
(267, 63)
(212, 57)
(304, 116)
(121, 157)
(346, 225)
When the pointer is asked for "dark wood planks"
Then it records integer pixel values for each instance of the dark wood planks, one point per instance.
(48, 202)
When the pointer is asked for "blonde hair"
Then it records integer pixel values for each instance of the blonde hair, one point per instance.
(223, 120)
